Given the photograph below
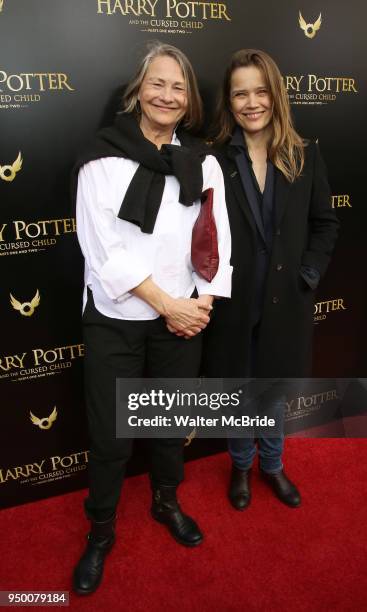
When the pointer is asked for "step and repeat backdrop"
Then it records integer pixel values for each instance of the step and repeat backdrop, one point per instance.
(62, 65)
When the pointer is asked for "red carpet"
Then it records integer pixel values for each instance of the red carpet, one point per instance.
(269, 557)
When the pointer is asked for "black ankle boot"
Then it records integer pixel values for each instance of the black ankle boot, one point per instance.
(88, 573)
(166, 510)
(283, 488)
(239, 488)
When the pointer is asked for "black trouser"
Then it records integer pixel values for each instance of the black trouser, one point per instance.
(114, 349)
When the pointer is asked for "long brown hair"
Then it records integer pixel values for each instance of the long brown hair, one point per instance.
(286, 148)
(194, 113)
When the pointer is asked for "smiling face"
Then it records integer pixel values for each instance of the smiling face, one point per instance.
(250, 100)
(163, 94)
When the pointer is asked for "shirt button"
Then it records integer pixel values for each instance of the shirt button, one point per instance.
(279, 267)
(277, 232)
(275, 300)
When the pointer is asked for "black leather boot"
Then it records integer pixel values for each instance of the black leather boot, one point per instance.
(166, 510)
(283, 488)
(88, 573)
(239, 489)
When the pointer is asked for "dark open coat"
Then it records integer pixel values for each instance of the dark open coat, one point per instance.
(305, 231)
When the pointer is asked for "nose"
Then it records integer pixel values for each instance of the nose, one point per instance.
(166, 94)
(251, 100)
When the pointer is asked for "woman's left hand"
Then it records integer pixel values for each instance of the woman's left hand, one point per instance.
(206, 301)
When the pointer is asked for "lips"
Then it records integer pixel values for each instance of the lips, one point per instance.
(164, 108)
(254, 116)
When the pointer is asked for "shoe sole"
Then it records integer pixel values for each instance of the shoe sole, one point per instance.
(83, 593)
(86, 592)
(286, 503)
(182, 542)
(237, 508)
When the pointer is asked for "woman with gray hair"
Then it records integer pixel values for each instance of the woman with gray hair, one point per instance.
(148, 288)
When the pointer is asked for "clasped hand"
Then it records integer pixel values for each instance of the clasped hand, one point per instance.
(189, 316)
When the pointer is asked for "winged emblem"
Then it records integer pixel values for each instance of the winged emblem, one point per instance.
(190, 437)
(8, 173)
(309, 29)
(27, 308)
(45, 423)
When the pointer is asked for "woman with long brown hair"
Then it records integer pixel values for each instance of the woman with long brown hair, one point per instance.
(283, 233)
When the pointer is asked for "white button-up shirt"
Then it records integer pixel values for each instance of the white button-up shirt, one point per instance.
(119, 256)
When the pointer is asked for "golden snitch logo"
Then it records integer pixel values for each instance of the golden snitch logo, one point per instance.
(190, 437)
(8, 173)
(27, 308)
(45, 423)
(309, 29)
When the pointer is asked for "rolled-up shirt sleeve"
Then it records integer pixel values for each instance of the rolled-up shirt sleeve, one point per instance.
(221, 284)
(117, 268)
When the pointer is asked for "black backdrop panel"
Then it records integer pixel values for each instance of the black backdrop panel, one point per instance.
(62, 66)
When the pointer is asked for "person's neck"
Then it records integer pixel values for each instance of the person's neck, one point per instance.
(257, 143)
(157, 135)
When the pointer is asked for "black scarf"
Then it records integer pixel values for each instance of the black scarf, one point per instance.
(144, 194)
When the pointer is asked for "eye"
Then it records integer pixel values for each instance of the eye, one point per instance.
(262, 92)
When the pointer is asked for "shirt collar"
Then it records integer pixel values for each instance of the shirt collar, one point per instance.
(175, 140)
(239, 141)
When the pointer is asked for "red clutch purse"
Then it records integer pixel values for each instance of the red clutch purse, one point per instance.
(204, 242)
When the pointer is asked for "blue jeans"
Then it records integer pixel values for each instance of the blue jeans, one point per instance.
(243, 450)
